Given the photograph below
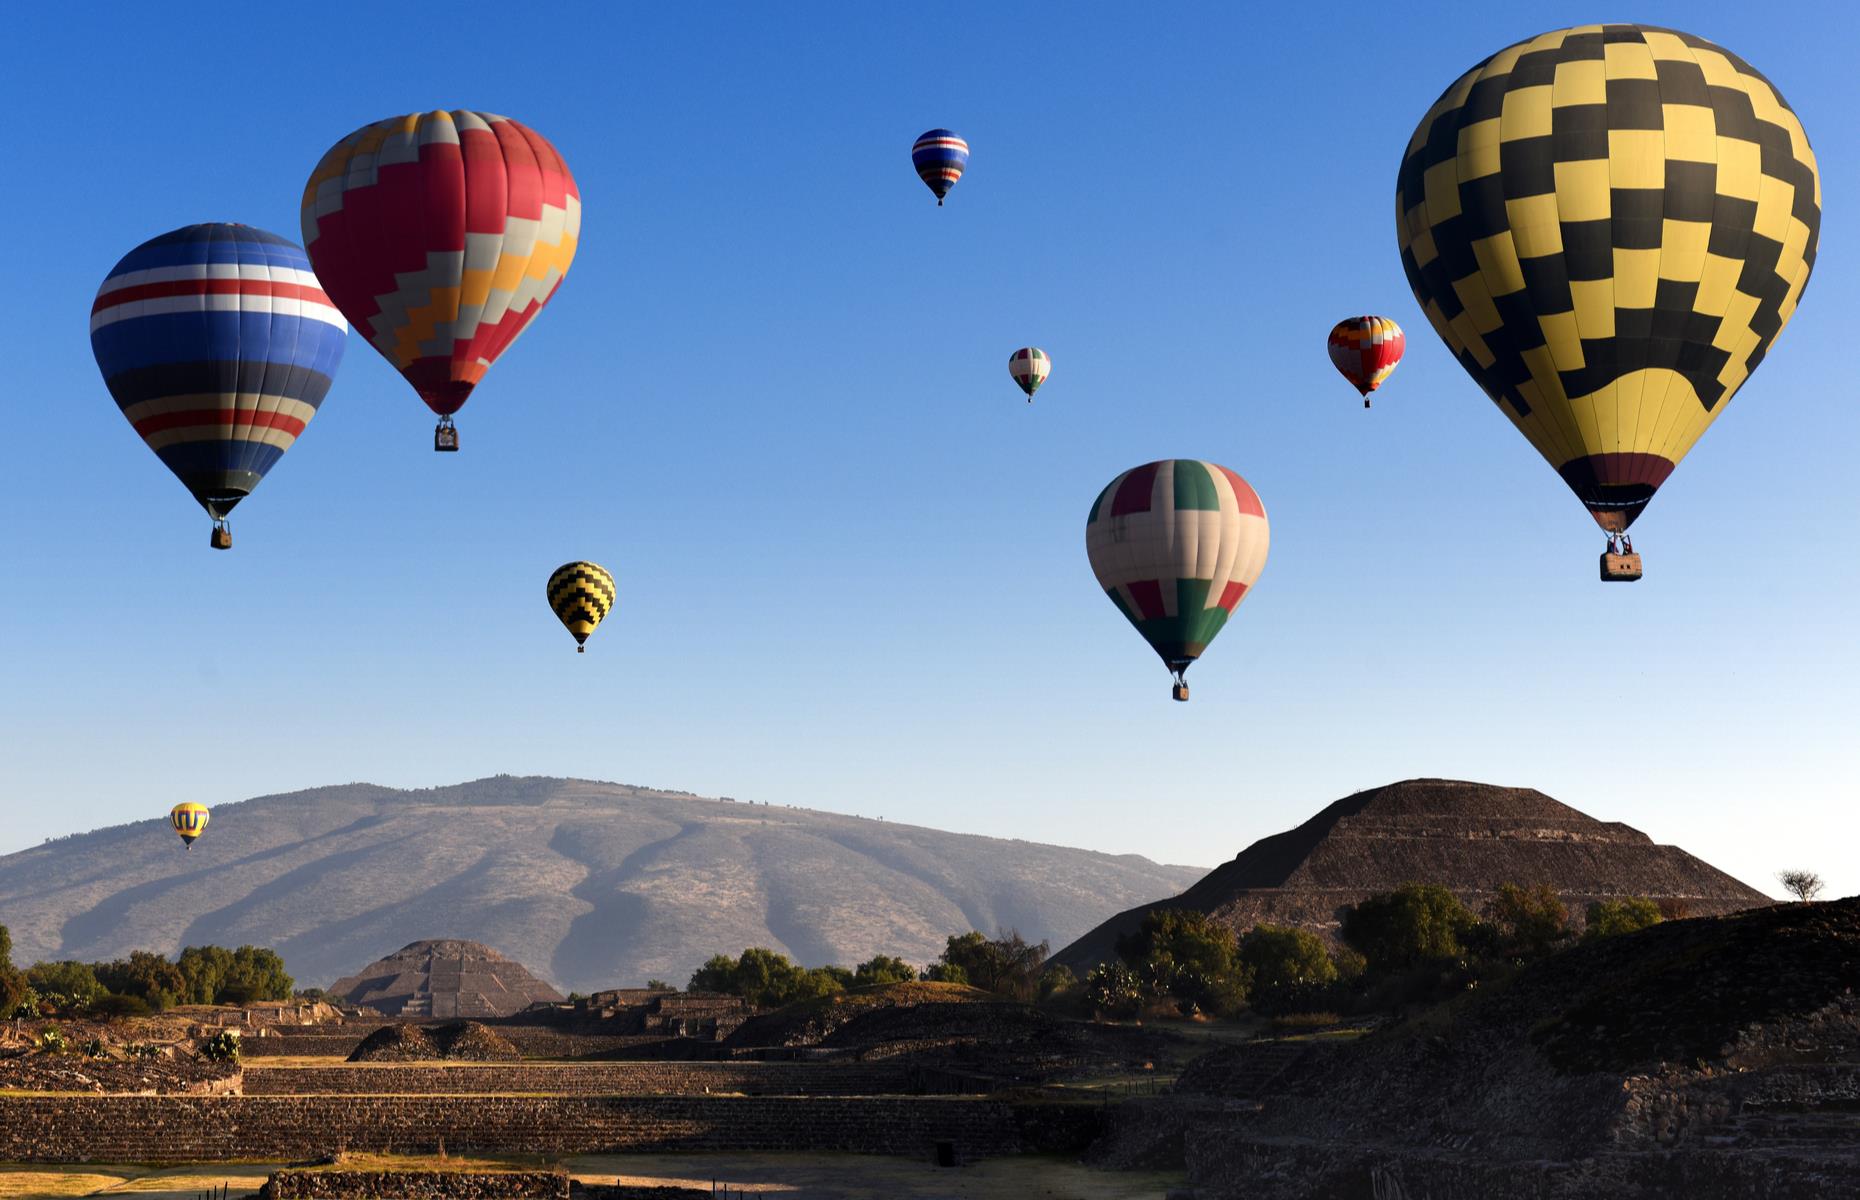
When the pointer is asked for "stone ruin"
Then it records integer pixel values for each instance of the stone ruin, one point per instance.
(444, 980)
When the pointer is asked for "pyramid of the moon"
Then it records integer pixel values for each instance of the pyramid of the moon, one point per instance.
(1471, 838)
(444, 980)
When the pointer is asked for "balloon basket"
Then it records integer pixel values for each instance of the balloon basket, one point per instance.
(221, 538)
(581, 649)
(446, 437)
(1179, 691)
(1620, 568)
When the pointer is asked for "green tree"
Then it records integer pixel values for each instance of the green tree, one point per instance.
(1413, 924)
(767, 979)
(1531, 922)
(883, 968)
(1113, 989)
(74, 981)
(1609, 917)
(1189, 957)
(257, 973)
(1057, 980)
(204, 968)
(1008, 964)
(13, 985)
(1276, 956)
(942, 972)
(144, 974)
(718, 974)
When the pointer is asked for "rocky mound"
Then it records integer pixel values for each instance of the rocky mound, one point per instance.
(1468, 837)
(463, 1041)
(1711, 1057)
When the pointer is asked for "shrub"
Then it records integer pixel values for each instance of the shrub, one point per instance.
(1187, 956)
(1113, 989)
(1530, 922)
(1278, 956)
(92, 1047)
(1413, 924)
(115, 1008)
(1306, 1020)
(221, 1047)
(142, 1050)
(942, 972)
(52, 1040)
(1056, 981)
(1610, 917)
(767, 979)
(883, 968)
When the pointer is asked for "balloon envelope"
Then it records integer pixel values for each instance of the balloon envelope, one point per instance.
(940, 158)
(581, 594)
(188, 819)
(218, 345)
(441, 235)
(1366, 350)
(1609, 225)
(1177, 545)
(1029, 366)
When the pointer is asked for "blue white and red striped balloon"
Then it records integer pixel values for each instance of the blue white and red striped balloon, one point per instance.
(940, 158)
(218, 345)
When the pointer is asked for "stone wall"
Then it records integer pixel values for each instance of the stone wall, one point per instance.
(599, 1079)
(532, 1041)
(174, 1129)
(323, 1184)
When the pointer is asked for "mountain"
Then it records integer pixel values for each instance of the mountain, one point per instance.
(589, 884)
(1468, 837)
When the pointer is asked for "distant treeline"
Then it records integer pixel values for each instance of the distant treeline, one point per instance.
(142, 983)
(1414, 944)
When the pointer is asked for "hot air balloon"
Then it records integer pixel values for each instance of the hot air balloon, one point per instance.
(1177, 545)
(188, 819)
(581, 594)
(1367, 350)
(1029, 366)
(940, 158)
(441, 235)
(1609, 225)
(218, 345)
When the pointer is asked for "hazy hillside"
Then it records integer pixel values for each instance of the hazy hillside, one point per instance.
(588, 884)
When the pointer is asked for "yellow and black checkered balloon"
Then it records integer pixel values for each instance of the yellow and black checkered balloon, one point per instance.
(1609, 225)
(581, 594)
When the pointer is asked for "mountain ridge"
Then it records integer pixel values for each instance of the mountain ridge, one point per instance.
(592, 883)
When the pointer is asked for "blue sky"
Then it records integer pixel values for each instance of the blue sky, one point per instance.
(772, 398)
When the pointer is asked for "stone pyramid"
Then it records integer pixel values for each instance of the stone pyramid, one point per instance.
(1468, 837)
(444, 980)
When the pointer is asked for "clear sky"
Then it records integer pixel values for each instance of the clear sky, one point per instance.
(772, 397)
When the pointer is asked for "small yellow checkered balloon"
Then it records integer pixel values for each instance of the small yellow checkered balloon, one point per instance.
(581, 594)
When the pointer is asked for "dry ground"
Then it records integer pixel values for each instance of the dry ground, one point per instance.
(767, 1176)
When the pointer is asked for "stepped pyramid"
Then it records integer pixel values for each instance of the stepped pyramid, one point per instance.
(444, 980)
(1470, 838)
